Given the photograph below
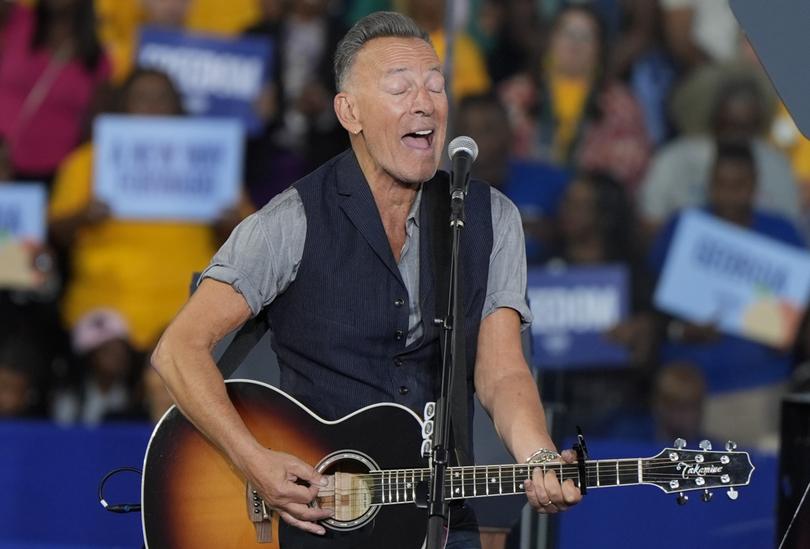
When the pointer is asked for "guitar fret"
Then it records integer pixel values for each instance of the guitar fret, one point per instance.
(475, 486)
(463, 484)
(487, 475)
(597, 474)
(617, 472)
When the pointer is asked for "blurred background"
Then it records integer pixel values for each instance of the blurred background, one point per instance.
(664, 189)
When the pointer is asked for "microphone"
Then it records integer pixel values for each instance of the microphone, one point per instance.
(462, 151)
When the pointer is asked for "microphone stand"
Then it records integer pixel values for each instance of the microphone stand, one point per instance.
(453, 344)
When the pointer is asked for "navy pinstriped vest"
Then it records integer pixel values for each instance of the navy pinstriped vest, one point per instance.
(340, 328)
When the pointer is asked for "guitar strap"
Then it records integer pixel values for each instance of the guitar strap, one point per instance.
(436, 197)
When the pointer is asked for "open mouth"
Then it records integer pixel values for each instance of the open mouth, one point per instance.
(421, 140)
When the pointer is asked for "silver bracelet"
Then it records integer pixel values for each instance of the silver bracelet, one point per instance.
(543, 455)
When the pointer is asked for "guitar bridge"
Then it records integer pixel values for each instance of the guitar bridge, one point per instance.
(260, 515)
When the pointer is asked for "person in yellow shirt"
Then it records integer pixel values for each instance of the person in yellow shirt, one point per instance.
(140, 269)
(570, 114)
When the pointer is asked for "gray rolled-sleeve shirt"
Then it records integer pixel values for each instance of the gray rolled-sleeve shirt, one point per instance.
(261, 257)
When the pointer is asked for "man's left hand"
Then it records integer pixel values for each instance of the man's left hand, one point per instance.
(545, 492)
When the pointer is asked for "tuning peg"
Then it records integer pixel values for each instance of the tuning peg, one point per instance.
(732, 494)
(707, 496)
(705, 445)
(680, 443)
(682, 499)
(731, 446)
(430, 410)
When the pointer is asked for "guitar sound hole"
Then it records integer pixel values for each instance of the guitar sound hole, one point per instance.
(350, 489)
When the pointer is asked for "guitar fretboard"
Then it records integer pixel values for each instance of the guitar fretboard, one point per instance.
(400, 485)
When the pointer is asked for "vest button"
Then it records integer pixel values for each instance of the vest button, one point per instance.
(398, 362)
(403, 390)
(399, 302)
(399, 335)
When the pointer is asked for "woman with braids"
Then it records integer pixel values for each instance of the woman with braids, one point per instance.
(596, 227)
(51, 68)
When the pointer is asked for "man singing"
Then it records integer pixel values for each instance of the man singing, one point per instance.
(340, 262)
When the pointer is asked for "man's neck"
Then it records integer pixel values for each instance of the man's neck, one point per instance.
(394, 198)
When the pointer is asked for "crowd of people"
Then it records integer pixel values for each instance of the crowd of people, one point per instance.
(602, 120)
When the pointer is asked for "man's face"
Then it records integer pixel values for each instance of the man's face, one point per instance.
(740, 117)
(732, 189)
(397, 88)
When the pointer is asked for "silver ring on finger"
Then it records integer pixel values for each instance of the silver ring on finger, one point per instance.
(546, 504)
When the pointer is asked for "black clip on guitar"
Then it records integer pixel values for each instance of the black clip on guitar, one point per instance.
(582, 455)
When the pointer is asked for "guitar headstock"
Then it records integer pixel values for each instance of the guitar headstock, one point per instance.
(677, 470)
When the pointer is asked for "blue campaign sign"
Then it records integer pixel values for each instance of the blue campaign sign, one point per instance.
(744, 283)
(217, 76)
(22, 212)
(167, 168)
(572, 309)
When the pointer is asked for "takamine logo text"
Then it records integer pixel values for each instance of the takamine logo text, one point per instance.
(696, 470)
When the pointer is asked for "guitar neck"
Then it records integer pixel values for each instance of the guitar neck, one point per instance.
(399, 485)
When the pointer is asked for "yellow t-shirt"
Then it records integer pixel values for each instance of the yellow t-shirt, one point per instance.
(470, 74)
(141, 269)
(568, 97)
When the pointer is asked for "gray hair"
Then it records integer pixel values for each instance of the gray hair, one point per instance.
(381, 24)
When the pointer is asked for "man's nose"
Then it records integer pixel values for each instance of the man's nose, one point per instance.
(422, 102)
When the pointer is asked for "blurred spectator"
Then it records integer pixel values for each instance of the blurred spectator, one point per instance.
(141, 269)
(744, 379)
(150, 399)
(469, 73)
(571, 114)
(679, 174)
(535, 188)
(51, 68)
(518, 39)
(306, 38)
(19, 371)
(700, 31)
(270, 168)
(675, 409)
(640, 58)
(679, 392)
(301, 130)
(107, 373)
(595, 227)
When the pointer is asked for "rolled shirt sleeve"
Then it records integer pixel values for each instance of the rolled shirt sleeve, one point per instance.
(261, 257)
(506, 285)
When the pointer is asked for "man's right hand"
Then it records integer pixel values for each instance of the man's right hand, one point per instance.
(277, 477)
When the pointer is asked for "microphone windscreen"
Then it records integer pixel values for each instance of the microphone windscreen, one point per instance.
(463, 143)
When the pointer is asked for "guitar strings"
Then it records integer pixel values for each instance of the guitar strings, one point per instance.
(567, 468)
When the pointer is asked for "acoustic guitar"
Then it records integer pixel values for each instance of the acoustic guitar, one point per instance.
(193, 497)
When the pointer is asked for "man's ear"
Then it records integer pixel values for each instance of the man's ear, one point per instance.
(346, 111)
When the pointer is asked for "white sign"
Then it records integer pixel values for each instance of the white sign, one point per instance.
(168, 168)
